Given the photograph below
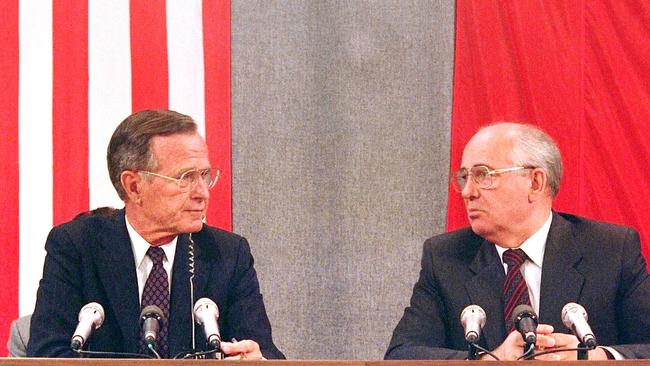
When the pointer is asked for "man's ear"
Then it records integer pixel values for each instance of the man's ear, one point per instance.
(130, 181)
(538, 184)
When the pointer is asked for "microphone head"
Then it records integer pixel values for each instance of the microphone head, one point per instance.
(525, 320)
(95, 311)
(570, 309)
(473, 312)
(472, 318)
(152, 311)
(523, 311)
(205, 305)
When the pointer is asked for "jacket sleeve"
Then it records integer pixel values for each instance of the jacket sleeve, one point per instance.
(421, 333)
(633, 313)
(246, 316)
(58, 300)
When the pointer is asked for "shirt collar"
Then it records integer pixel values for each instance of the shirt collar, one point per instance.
(535, 245)
(140, 246)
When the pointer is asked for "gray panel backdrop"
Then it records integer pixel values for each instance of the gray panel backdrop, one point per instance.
(340, 118)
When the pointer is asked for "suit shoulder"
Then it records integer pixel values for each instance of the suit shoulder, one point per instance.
(220, 235)
(212, 240)
(87, 225)
(600, 230)
(597, 238)
(457, 243)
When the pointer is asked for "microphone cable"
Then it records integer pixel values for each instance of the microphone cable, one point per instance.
(113, 354)
(191, 269)
(527, 356)
(180, 355)
(198, 354)
(485, 351)
(153, 350)
(530, 352)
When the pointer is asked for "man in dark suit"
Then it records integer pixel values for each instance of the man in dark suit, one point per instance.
(159, 165)
(509, 176)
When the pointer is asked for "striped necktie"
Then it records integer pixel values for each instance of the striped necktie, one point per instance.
(515, 291)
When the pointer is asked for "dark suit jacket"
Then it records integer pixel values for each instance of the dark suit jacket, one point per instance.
(90, 259)
(594, 264)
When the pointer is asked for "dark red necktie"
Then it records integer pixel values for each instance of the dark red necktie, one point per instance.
(515, 291)
(156, 292)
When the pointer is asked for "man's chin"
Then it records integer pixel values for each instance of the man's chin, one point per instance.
(193, 226)
(478, 227)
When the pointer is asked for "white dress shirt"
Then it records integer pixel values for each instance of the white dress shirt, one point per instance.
(143, 263)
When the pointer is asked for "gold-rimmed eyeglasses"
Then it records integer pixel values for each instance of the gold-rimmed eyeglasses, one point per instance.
(191, 178)
(482, 176)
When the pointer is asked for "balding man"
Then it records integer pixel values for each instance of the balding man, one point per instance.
(519, 251)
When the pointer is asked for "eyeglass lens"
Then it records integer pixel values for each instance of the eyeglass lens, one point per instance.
(192, 177)
(480, 175)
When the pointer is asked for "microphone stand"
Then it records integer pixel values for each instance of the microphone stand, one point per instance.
(583, 351)
(472, 351)
(529, 348)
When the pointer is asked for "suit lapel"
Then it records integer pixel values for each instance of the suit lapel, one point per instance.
(484, 289)
(117, 272)
(561, 282)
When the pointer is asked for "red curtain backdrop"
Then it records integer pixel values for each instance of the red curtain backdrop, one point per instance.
(578, 69)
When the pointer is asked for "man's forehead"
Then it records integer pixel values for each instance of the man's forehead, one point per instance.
(180, 152)
(487, 149)
(178, 142)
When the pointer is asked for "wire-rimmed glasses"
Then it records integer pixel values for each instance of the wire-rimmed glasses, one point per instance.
(482, 176)
(190, 178)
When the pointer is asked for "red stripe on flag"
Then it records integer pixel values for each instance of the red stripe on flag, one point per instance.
(9, 50)
(70, 109)
(149, 71)
(216, 50)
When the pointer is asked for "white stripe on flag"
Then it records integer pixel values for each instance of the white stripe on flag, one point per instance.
(35, 144)
(185, 59)
(109, 90)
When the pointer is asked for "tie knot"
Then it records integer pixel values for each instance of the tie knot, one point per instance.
(514, 257)
(156, 254)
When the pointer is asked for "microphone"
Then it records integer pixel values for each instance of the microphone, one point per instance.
(91, 317)
(473, 319)
(574, 316)
(207, 313)
(151, 317)
(525, 320)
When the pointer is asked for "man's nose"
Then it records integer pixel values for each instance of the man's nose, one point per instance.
(200, 189)
(470, 190)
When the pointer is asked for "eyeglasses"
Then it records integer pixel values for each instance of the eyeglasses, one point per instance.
(191, 178)
(482, 176)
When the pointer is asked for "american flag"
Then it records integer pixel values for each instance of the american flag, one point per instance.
(70, 71)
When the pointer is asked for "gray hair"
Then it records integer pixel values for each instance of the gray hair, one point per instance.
(533, 147)
(129, 147)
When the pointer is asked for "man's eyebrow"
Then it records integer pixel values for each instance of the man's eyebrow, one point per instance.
(182, 171)
(477, 164)
(485, 165)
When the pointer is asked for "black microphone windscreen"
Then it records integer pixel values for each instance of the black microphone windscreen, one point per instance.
(523, 311)
(152, 311)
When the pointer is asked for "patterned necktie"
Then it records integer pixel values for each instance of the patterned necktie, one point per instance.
(515, 291)
(156, 292)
